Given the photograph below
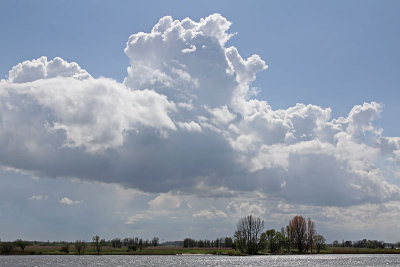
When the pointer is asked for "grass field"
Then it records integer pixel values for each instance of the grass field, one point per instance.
(341, 250)
(107, 250)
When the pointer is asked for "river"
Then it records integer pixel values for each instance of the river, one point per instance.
(202, 260)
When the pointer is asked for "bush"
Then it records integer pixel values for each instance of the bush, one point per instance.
(132, 247)
(22, 244)
(7, 248)
(65, 248)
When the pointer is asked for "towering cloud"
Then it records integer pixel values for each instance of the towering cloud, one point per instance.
(185, 119)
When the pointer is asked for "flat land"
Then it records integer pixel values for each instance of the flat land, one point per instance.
(107, 250)
(166, 250)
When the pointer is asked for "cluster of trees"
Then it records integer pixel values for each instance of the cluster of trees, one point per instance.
(364, 243)
(299, 234)
(248, 233)
(132, 243)
(139, 242)
(226, 242)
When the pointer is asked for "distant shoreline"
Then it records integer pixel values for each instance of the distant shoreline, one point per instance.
(179, 251)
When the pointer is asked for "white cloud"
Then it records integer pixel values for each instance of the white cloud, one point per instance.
(190, 126)
(240, 208)
(68, 201)
(40, 68)
(185, 119)
(94, 114)
(210, 213)
(164, 202)
(137, 217)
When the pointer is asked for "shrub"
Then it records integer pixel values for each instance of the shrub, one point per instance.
(132, 247)
(65, 248)
(7, 248)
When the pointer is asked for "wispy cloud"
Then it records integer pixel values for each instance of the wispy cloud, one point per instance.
(39, 197)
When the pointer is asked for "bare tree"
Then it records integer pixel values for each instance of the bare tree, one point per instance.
(289, 238)
(298, 228)
(80, 247)
(310, 233)
(247, 235)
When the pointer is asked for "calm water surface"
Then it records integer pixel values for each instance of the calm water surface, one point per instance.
(202, 260)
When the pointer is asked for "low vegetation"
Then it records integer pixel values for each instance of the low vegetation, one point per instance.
(299, 236)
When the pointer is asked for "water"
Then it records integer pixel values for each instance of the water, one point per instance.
(202, 260)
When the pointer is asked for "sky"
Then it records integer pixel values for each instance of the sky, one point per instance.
(177, 118)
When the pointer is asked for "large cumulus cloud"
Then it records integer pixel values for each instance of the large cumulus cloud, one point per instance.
(185, 119)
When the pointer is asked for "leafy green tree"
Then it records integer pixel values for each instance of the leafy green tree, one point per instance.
(21, 244)
(155, 241)
(228, 242)
(320, 242)
(116, 243)
(272, 240)
(190, 243)
(281, 239)
(132, 247)
(263, 243)
(98, 243)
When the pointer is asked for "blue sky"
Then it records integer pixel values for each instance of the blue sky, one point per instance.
(328, 54)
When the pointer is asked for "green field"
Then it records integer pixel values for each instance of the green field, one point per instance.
(341, 250)
(107, 250)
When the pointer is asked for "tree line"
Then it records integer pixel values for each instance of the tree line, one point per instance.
(364, 243)
(226, 242)
(299, 234)
(131, 243)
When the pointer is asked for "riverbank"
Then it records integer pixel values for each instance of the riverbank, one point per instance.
(107, 250)
(165, 250)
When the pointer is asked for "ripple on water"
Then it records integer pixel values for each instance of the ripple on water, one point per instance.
(202, 260)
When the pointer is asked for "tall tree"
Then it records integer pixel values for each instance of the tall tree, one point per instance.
(272, 240)
(116, 243)
(298, 228)
(247, 235)
(228, 242)
(310, 233)
(155, 241)
(289, 237)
